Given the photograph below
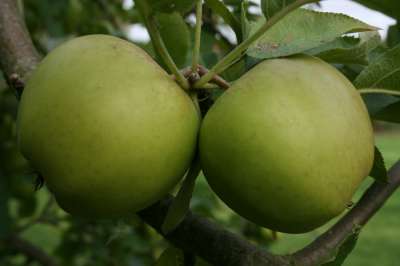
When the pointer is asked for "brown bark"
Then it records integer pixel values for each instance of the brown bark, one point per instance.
(18, 56)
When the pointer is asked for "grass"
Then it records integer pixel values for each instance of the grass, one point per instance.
(379, 242)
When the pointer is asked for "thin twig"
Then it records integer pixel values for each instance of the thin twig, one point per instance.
(379, 91)
(186, 72)
(201, 71)
(216, 79)
(158, 43)
(197, 40)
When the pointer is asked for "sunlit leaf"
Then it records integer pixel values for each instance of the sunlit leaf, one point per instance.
(303, 30)
(348, 50)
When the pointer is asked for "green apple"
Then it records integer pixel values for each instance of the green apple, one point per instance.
(107, 128)
(287, 146)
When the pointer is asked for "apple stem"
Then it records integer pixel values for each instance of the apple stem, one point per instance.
(218, 80)
(197, 41)
(238, 52)
(158, 43)
(201, 71)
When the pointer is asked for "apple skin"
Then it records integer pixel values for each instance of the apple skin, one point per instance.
(108, 129)
(288, 144)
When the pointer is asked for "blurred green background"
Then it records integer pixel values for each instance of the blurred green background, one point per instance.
(35, 217)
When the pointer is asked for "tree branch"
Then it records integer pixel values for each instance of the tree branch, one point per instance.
(30, 251)
(372, 200)
(18, 56)
(221, 247)
(197, 234)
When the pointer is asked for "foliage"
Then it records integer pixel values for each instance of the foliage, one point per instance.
(303, 30)
(348, 49)
(75, 242)
(382, 73)
(389, 7)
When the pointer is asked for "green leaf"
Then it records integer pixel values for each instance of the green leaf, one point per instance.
(27, 207)
(74, 13)
(209, 56)
(344, 250)
(378, 102)
(383, 107)
(390, 113)
(168, 6)
(5, 219)
(180, 205)
(377, 53)
(245, 23)
(303, 30)
(235, 71)
(348, 50)
(383, 73)
(271, 7)
(219, 8)
(389, 7)
(378, 171)
(201, 262)
(171, 257)
(393, 35)
(176, 36)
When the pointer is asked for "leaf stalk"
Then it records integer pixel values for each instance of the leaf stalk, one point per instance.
(158, 43)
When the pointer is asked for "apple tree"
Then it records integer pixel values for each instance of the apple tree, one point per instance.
(197, 147)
